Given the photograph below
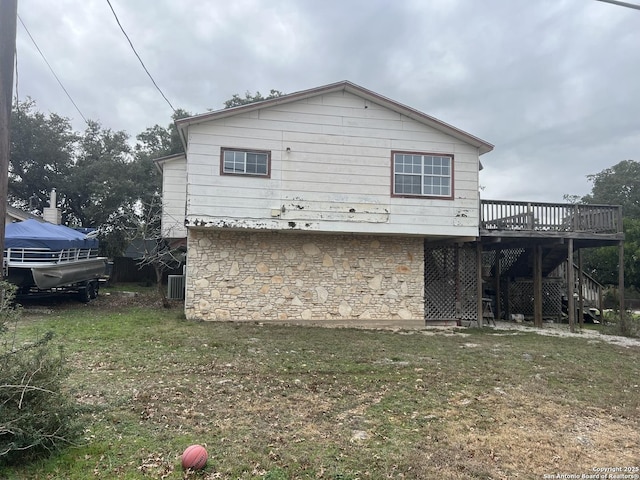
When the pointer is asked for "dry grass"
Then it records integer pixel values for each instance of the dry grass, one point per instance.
(285, 402)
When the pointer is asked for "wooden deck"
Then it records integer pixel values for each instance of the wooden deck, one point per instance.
(537, 238)
(593, 224)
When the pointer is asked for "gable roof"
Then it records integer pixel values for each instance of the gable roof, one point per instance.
(346, 86)
(17, 215)
(159, 162)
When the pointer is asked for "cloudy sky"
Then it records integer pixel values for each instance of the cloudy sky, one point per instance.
(553, 84)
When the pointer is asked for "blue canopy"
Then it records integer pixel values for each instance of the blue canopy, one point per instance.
(35, 234)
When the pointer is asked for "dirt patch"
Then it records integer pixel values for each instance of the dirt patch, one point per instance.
(561, 330)
(115, 299)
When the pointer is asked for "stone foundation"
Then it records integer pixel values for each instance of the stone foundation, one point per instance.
(294, 277)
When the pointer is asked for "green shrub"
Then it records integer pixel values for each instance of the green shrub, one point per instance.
(611, 299)
(36, 416)
(627, 327)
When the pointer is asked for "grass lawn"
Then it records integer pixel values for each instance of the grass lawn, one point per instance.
(290, 402)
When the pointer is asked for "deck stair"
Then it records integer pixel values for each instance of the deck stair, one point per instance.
(522, 266)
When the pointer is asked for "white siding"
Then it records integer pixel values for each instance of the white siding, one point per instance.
(174, 197)
(330, 171)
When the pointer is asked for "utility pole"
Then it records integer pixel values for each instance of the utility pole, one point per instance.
(8, 15)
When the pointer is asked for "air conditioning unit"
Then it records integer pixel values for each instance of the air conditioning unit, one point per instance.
(176, 287)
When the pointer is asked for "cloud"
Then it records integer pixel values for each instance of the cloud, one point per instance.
(554, 84)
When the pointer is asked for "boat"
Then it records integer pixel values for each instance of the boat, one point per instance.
(44, 257)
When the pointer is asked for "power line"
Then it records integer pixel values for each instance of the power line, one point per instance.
(134, 51)
(622, 4)
(51, 68)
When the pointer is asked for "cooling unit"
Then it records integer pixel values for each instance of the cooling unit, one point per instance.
(176, 287)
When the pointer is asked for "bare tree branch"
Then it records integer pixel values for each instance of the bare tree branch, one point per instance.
(144, 225)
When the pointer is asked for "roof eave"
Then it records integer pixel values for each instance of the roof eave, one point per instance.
(183, 123)
(421, 117)
(159, 162)
(483, 146)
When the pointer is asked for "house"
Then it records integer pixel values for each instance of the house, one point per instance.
(334, 203)
(316, 205)
(14, 214)
(50, 214)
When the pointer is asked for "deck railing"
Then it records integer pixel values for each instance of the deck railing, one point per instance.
(44, 255)
(499, 215)
(591, 288)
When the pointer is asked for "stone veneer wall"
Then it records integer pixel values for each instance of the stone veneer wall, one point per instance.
(299, 276)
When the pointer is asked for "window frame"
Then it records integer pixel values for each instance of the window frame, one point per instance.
(422, 175)
(245, 151)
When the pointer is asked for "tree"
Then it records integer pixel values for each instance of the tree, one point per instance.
(153, 143)
(602, 264)
(143, 227)
(37, 413)
(98, 174)
(42, 155)
(618, 185)
(101, 183)
(632, 252)
(236, 100)
(93, 172)
(159, 141)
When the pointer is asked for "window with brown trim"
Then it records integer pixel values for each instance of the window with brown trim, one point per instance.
(422, 174)
(245, 162)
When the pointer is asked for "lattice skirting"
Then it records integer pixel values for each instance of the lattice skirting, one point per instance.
(451, 289)
(517, 294)
(521, 297)
(450, 278)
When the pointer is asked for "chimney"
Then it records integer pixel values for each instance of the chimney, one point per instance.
(52, 213)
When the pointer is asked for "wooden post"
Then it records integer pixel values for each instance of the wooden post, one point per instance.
(571, 305)
(8, 15)
(621, 285)
(537, 285)
(507, 296)
(497, 273)
(479, 280)
(580, 291)
(600, 302)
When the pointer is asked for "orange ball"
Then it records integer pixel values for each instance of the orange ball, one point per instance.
(194, 457)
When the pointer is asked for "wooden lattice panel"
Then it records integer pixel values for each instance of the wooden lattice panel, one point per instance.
(488, 262)
(521, 297)
(450, 278)
(507, 258)
(439, 283)
(468, 283)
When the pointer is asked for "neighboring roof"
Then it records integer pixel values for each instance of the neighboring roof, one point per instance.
(20, 214)
(346, 86)
(159, 162)
(34, 234)
(138, 247)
